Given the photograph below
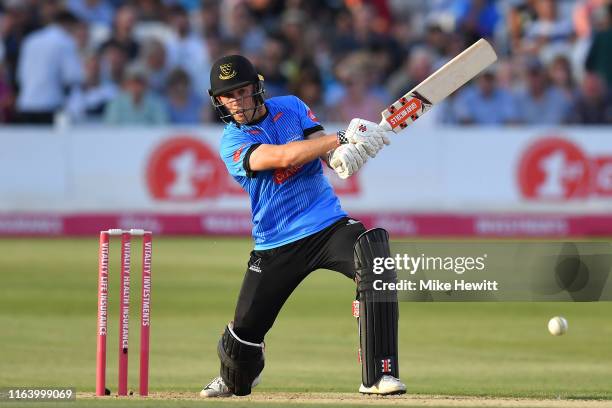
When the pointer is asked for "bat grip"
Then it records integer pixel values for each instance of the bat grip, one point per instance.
(385, 125)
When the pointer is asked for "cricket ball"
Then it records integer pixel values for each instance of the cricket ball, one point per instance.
(557, 326)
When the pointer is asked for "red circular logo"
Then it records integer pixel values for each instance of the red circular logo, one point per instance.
(554, 169)
(184, 169)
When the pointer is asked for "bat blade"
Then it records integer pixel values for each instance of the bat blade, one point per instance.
(446, 80)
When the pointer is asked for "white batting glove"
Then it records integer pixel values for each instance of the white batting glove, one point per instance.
(347, 159)
(369, 134)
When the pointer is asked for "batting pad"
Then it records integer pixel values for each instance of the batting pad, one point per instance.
(241, 362)
(378, 310)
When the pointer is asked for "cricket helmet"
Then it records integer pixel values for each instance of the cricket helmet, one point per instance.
(229, 73)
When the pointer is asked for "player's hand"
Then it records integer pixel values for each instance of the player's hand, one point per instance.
(369, 134)
(347, 159)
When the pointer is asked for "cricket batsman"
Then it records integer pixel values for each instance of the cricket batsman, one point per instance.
(274, 149)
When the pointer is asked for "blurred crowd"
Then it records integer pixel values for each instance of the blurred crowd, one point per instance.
(148, 61)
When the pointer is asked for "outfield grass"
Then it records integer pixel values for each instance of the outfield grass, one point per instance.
(48, 321)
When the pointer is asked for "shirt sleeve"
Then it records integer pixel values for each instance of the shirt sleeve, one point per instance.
(308, 121)
(236, 148)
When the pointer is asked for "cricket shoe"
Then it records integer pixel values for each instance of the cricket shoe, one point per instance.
(217, 388)
(387, 385)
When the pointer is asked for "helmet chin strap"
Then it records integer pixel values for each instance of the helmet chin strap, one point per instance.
(245, 112)
(253, 113)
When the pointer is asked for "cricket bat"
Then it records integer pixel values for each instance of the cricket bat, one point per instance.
(446, 80)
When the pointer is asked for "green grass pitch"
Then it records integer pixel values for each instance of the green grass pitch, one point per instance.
(48, 320)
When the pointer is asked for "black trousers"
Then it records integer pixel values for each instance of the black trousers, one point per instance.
(272, 275)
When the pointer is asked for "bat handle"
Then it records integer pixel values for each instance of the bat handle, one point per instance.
(385, 125)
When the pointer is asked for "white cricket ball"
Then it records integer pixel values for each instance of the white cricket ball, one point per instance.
(557, 326)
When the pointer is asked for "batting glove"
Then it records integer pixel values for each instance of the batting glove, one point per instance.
(369, 134)
(347, 159)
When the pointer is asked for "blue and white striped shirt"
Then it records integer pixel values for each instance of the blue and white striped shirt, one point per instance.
(287, 204)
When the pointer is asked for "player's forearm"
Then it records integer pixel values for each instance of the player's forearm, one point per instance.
(325, 157)
(267, 157)
(306, 151)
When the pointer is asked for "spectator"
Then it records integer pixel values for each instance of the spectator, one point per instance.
(416, 68)
(343, 40)
(88, 103)
(366, 25)
(359, 99)
(308, 87)
(404, 35)
(150, 10)
(270, 64)
(219, 47)
(92, 11)
(549, 33)
(209, 22)
(47, 11)
(154, 62)
(113, 60)
(240, 24)
(82, 38)
(17, 22)
(371, 30)
(506, 75)
(267, 12)
(599, 59)
(123, 32)
(48, 65)
(189, 5)
(183, 105)
(560, 74)
(291, 39)
(585, 14)
(521, 15)
(116, 3)
(484, 103)
(594, 103)
(135, 105)
(436, 42)
(187, 50)
(477, 18)
(455, 43)
(296, 36)
(385, 61)
(540, 102)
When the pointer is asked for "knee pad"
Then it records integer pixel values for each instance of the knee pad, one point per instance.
(241, 361)
(378, 310)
